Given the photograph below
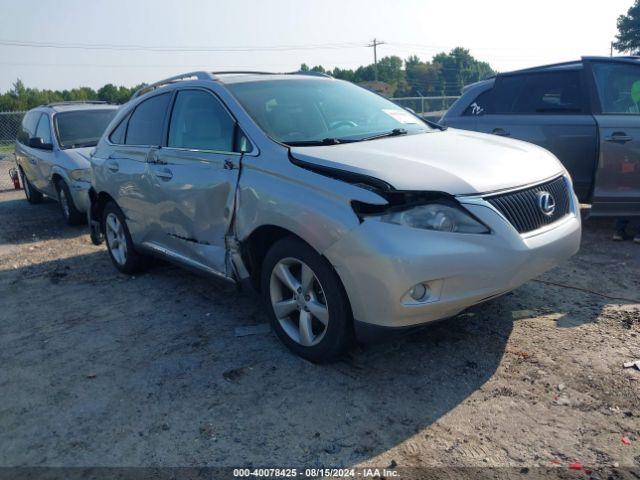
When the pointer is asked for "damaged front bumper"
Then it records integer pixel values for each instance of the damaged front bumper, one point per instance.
(379, 264)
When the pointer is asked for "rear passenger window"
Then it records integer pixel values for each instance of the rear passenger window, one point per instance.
(540, 93)
(482, 105)
(147, 121)
(43, 130)
(200, 122)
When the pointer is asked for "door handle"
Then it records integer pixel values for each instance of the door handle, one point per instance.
(153, 158)
(500, 132)
(113, 166)
(619, 137)
(164, 174)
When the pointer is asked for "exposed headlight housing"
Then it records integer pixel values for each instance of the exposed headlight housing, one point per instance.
(81, 175)
(438, 216)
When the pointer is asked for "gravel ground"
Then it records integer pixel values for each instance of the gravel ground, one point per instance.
(101, 369)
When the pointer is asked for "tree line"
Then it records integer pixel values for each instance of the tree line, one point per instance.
(444, 74)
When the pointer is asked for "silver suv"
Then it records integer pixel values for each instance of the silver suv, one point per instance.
(349, 214)
(52, 153)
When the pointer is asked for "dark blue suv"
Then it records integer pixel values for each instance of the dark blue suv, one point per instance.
(586, 112)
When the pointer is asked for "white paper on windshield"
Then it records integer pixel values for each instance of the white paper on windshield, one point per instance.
(401, 116)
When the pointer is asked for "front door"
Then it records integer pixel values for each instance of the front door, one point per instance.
(45, 158)
(617, 185)
(28, 157)
(549, 109)
(194, 180)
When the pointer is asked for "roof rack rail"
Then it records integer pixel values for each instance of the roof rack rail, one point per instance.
(167, 81)
(238, 72)
(311, 73)
(253, 72)
(73, 102)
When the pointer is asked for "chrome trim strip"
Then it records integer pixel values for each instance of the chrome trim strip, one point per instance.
(510, 189)
(185, 260)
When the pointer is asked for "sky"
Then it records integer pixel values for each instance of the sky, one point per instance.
(60, 44)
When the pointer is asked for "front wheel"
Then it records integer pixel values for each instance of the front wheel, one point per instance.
(71, 215)
(33, 196)
(119, 243)
(308, 307)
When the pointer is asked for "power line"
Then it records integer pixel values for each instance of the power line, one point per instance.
(179, 49)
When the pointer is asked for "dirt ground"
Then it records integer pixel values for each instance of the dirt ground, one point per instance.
(101, 369)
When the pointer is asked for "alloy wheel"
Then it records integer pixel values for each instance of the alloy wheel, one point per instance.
(116, 239)
(299, 302)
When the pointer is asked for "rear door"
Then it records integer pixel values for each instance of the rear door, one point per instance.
(194, 178)
(550, 109)
(617, 180)
(126, 167)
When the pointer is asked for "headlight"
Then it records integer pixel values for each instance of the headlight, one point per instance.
(436, 216)
(81, 175)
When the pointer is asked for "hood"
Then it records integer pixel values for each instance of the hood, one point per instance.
(457, 162)
(79, 157)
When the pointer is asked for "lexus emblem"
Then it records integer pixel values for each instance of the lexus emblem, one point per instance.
(546, 203)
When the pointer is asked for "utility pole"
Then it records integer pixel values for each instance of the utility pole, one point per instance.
(611, 50)
(375, 44)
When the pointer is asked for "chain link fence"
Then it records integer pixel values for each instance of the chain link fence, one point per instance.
(432, 108)
(9, 126)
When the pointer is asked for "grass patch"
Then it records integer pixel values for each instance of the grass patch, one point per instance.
(5, 149)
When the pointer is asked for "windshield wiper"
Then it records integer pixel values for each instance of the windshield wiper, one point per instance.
(393, 133)
(336, 141)
(92, 143)
(317, 143)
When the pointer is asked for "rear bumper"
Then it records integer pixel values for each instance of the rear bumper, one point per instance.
(379, 263)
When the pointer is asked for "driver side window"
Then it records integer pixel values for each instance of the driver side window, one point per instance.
(618, 87)
(200, 122)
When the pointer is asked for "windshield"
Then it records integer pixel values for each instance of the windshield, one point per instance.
(82, 128)
(298, 111)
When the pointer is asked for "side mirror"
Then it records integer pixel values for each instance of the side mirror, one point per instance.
(37, 142)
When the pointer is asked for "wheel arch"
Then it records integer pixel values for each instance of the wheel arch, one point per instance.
(56, 177)
(98, 201)
(255, 246)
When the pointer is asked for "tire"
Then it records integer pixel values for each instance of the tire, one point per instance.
(119, 244)
(313, 321)
(33, 196)
(71, 215)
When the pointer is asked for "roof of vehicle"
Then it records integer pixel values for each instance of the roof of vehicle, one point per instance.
(575, 64)
(80, 105)
(229, 77)
(554, 67)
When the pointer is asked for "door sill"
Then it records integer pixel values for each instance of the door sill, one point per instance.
(181, 260)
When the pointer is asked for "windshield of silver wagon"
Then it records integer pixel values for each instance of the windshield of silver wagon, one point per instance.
(82, 128)
(307, 110)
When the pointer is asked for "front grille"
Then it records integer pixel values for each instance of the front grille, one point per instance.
(522, 208)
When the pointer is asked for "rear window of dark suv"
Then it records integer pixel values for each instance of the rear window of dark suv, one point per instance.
(559, 92)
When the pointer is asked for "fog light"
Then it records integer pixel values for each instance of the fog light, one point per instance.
(419, 292)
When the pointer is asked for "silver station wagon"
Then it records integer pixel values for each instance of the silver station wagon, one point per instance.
(52, 153)
(350, 215)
